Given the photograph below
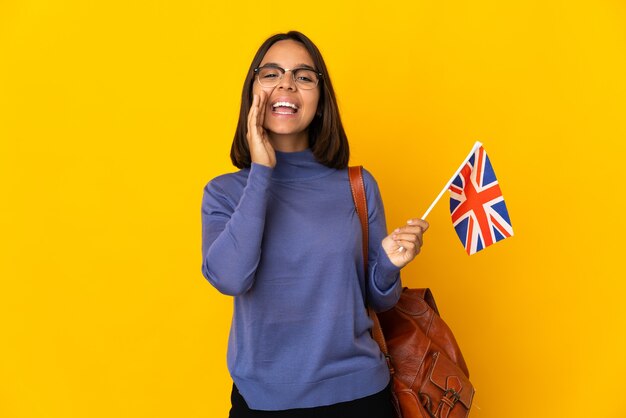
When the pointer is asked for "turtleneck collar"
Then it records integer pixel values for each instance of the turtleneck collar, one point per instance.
(299, 165)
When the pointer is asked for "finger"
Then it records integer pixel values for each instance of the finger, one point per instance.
(406, 246)
(405, 237)
(419, 240)
(251, 113)
(257, 121)
(260, 115)
(418, 222)
(255, 102)
(259, 109)
(415, 230)
(412, 237)
(263, 107)
(410, 230)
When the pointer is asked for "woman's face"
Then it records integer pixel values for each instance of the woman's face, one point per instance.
(285, 120)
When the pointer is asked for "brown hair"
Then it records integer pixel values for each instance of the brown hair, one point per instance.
(327, 138)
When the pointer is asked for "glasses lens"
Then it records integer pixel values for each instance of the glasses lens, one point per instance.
(269, 76)
(306, 79)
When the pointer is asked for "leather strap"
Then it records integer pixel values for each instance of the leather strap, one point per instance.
(450, 397)
(360, 202)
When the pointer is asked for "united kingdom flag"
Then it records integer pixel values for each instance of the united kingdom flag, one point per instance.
(477, 207)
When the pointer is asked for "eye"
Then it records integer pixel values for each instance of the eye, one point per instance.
(269, 73)
(306, 76)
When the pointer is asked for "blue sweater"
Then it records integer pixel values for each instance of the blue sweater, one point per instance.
(286, 243)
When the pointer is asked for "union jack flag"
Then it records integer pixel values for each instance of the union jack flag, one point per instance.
(477, 207)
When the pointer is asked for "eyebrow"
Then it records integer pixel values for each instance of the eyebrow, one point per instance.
(274, 64)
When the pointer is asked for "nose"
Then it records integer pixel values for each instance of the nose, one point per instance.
(287, 82)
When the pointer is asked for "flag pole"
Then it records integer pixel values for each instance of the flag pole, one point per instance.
(476, 145)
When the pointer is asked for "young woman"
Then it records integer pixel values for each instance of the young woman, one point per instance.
(282, 236)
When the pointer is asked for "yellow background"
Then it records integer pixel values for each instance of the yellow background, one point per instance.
(114, 115)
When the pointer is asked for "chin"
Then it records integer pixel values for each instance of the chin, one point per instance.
(286, 128)
(283, 130)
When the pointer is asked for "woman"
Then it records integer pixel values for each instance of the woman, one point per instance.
(282, 236)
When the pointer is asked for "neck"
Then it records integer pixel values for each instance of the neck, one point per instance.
(298, 166)
(289, 142)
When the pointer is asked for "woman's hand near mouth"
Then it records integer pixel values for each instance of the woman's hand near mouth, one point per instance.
(261, 150)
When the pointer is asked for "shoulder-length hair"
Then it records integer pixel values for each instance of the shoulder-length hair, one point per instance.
(327, 138)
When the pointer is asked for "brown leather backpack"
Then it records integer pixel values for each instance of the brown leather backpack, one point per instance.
(430, 377)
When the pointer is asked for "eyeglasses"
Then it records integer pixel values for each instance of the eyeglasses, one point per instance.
(271, 75)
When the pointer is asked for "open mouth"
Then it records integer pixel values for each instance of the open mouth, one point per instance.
(284, 108)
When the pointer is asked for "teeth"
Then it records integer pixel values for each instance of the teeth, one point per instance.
(285, 104)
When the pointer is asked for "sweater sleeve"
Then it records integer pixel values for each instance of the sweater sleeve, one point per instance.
(232, 232)
(384, 285)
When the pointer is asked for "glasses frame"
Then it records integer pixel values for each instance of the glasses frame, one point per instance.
(283, 71)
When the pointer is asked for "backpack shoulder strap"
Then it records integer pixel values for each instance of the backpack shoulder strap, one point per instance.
(360, 202)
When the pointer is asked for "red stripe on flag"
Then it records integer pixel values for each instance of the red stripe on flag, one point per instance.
(500, 227)
(456, 189)
(470, 234)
